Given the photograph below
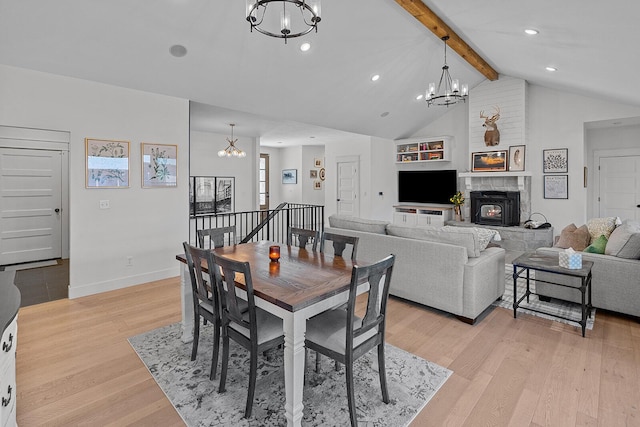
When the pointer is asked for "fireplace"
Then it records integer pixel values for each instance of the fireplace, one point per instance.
(495, 207)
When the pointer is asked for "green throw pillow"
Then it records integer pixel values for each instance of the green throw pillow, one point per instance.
(598, 245)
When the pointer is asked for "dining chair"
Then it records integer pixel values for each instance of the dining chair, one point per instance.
(255, 329)
(205, 301)
(340, 242)
(301, 237)
(344, 337)
(217, 236)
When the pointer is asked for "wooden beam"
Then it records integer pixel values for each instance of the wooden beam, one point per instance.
(429, 19)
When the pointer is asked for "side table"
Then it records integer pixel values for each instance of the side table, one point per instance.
(532, 261)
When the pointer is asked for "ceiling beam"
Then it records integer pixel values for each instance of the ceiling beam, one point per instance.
(429, 19)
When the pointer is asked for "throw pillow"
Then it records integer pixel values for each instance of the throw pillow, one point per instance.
(601, 226)
(624, 242)
(485, 235)
(598, 246)
(574, 237)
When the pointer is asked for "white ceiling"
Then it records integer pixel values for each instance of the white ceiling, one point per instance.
(273, 91)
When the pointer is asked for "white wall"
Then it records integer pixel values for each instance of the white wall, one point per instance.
(291, 158)
(146, 224)
(205, 162)
(309, 194)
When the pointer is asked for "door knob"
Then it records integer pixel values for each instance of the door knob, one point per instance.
(57, 210)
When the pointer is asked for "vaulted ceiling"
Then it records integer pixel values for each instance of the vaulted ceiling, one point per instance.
(271, 89)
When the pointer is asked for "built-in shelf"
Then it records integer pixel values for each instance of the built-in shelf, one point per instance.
(520, 175)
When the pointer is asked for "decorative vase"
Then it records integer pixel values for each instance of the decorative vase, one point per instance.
(458, 212)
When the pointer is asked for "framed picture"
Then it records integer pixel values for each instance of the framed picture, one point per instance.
(318, 162)
(290, 176)
(317, 185)
(313, 173)
(556, 186)
(107, 163)
(321, 174)
(555, 161)
(224, 194)
(159, 165)
(489, 161)
(516, 157)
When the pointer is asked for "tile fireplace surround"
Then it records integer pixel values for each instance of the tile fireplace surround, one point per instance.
(498, 181)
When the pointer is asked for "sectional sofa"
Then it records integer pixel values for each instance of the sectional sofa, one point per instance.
(447, 268)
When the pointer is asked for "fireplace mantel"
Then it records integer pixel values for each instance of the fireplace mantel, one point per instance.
(520, 175)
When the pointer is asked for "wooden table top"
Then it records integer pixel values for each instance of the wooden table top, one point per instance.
(550, 264)
(300, 279)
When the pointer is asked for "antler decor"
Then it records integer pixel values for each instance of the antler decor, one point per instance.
(492, 134)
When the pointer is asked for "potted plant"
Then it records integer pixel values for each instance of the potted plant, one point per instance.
(457, 200)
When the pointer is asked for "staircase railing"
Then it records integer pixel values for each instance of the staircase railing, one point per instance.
(258, 225)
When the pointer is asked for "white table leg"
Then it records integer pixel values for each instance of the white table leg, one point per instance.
(186, 302)
(295, 325)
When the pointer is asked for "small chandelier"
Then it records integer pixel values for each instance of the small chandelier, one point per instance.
(231, 150)
(309, 12)
(449, 90)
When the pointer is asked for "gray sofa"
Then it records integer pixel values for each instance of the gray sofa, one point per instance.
(615, 283)
(434, 266)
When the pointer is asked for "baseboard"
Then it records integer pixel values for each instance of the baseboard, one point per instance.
(123, 282)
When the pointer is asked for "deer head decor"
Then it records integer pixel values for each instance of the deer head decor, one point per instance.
(492, 134)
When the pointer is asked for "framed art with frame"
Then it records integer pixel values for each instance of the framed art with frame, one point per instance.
(556, 186)
(107, 163)
(290, 176)
(516, 157)
(489, 161)
(555, 161)
(159, 165)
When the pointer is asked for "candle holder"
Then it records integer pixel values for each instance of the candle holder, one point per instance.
(274, 253)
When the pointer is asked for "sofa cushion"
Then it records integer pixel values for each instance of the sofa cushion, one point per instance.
(458, 236)
(574, 237)
(358, 224)
(624, 241)
(601, 226)
(598, 245)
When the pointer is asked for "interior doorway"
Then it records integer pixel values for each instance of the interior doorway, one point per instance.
(619, 185)
(263, 182)
(348, 186)
(34, 211)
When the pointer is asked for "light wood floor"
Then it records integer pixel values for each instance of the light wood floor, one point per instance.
(75, 366)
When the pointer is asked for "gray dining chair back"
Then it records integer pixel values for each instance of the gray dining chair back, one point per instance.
(340, 242)
(254, 329)
(217, 237)
(205, 301)
(301, 237)
(344, 337)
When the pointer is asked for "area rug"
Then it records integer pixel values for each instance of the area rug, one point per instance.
(412, 382)
(556, 306)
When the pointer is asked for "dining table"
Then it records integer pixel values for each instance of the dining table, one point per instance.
(300, 285)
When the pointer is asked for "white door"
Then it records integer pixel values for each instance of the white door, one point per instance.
(348, 180)
(30, 203)
(619, 191)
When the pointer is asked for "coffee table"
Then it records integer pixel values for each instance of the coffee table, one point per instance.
(532, 261)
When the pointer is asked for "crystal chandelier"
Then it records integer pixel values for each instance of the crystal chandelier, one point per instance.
(265, 22)
(449, 90)
(231, 150)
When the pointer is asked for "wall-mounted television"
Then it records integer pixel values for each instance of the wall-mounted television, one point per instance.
(433, 186)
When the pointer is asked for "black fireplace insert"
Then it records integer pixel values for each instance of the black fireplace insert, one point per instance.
(495, 207)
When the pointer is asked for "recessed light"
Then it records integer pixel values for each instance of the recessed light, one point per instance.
(178, 50)
(305, 46)
(385, 114)
(375, 77)
(312, 137)
(551, 69)
(419, 97)
(531, 31)
(279, 142)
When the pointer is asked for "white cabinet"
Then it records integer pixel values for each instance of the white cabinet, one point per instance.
(8, 374)
(433, 149)
(421, 215)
